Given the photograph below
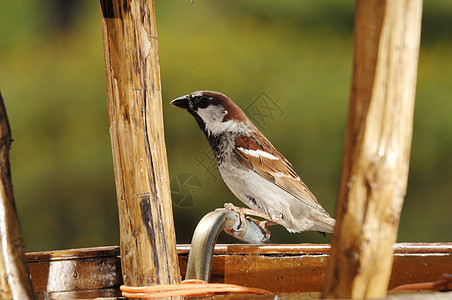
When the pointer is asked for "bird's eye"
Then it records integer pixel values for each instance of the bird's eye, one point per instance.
(203, 101)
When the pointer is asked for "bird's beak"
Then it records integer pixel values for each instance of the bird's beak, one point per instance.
(181, 102)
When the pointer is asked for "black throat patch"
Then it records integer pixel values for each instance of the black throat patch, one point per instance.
(218, 143)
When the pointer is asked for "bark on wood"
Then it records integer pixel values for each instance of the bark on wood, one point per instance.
(377, 148)
(15, 281)
(148, 247)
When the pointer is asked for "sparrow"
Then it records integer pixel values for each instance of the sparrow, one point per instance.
(255, 172)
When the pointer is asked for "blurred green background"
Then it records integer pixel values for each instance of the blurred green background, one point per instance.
(298, 53)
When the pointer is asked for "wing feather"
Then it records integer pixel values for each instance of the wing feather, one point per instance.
(259, 155)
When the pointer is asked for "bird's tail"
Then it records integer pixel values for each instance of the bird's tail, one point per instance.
(325, 225)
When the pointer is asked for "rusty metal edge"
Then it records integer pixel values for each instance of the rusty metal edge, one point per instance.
(235, 249)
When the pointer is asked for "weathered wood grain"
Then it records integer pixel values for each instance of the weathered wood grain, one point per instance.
(148, 247)
(377, 147)
(14, 279)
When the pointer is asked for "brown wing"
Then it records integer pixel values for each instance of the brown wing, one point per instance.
(274, 168)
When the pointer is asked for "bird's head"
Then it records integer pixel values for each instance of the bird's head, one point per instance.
(214, 112)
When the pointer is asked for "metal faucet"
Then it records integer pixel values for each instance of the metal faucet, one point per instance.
(206, 234)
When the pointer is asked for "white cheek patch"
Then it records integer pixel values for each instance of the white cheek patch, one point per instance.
(213, 117)
(258, 153)
(212, 113)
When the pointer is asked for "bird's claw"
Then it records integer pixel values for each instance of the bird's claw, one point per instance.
(243, 225)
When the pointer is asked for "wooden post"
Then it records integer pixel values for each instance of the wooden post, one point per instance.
(148, 245)
(377, 148)
(15, 280)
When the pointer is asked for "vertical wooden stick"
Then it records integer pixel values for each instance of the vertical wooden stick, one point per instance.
(15, 280)
(377, 148)
(148, 246)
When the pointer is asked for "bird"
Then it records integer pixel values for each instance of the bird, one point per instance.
(255, 172)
